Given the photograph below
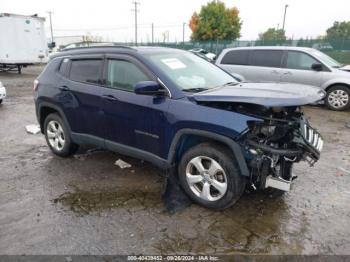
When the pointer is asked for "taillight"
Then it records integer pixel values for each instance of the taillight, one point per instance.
(36, 85)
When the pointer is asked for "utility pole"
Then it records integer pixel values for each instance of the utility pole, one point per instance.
(152, 34)
(135, 3)
(50, 12)
(284, 17)
(183, 34)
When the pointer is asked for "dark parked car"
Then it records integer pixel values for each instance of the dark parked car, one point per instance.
(172, 108)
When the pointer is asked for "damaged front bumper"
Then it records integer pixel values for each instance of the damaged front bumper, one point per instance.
(271, 161)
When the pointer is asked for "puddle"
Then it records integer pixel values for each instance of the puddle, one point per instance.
(257, 224)
(89, 201)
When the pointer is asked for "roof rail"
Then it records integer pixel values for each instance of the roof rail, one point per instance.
(87, 45)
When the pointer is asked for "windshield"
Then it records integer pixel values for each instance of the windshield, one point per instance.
(326, 59)
(190, 72)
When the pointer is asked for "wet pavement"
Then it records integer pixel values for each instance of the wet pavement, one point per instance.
(88, 205)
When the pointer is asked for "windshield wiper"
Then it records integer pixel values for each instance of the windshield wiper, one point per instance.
(338, 66)
(195, 89)
(230, 84)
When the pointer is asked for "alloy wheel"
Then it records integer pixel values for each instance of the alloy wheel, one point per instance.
(338, 98)
(206, 178)
(55, 135)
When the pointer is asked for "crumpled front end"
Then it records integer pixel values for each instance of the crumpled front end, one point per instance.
(282, 137)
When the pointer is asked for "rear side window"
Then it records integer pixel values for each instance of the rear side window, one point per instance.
(124, 75)
(63, 66)
(266, 58)
(87, 70)
(236, 57)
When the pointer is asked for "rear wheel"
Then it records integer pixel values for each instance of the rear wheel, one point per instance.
(338, 98)
(58, 137)
(209, 176)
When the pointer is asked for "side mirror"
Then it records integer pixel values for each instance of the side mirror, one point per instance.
(317, 67)
(151, 88)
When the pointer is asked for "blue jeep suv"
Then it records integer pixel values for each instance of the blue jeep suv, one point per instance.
(176, 110)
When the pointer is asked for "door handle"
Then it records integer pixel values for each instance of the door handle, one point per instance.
(287, 73)
(110, 97)
(64, 88)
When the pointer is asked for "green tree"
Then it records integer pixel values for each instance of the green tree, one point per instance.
(273, 34)
(216, 22)
(339, 30)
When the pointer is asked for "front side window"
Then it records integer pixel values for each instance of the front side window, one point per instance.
(326, 59)
(299, 60)
(190, 72)
(86, 70)
(124, 75)
(266, 58)
(236, 57)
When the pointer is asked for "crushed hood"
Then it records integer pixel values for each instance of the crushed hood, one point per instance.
(265, 94)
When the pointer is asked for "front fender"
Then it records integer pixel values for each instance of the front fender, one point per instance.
(336, 81)
(234, 146)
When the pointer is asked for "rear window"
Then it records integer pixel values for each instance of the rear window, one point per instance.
(87, 70)
(267, 58)
(236, 57)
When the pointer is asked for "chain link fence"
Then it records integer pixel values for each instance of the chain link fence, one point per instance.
(339, 49)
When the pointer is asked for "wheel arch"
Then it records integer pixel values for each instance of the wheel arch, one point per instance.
(187, 138)
(337, 84)
(46, 109)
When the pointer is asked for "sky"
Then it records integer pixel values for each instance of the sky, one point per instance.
(114, 19)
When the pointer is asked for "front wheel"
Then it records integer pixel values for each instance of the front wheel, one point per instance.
(338, 98)
(210, 177)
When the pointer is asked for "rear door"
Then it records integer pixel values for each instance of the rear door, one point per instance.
(265, 65)
(80, 94)
(298, 69)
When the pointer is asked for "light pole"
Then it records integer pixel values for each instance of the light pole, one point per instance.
(135, 3)
(183, 33)
(50, 12)
(152, 34)
(284, 17)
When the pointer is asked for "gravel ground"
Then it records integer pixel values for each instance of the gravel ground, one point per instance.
(87, 205)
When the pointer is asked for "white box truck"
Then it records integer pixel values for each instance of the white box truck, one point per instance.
(22, 41)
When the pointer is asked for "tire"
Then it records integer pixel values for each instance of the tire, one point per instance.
(0, 101)
(215, 156)
(57, 133)
(338, 98)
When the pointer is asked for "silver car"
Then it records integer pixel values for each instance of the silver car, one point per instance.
(306, 66)
(2, 92)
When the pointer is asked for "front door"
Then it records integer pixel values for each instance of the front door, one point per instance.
(131, 120)
(298, 69)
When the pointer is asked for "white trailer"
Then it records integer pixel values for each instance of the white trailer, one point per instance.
(22, 41)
